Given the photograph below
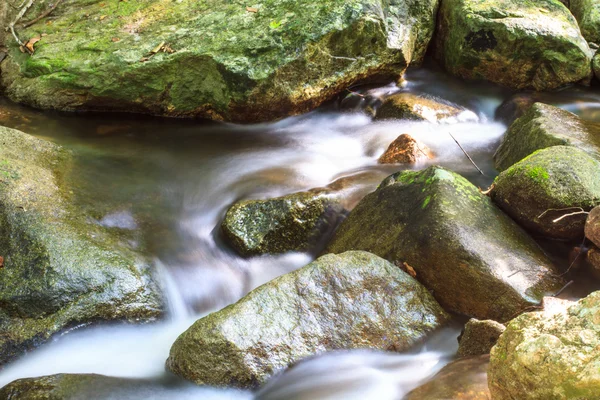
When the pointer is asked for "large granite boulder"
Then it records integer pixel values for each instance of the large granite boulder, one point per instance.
(587, 13)
(543, 126)
(520, 44)
(540, 190)
(549, 355)
(59, 269)
(296, 222)
(473, 257)
(213, 59)
(352, 300)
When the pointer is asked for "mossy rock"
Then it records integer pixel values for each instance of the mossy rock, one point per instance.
(296, 222)
(473, 257)
(60, 270)
(463, 379)
(587, 13)
(215, 59)
(545, 186)
(550, 356)
(410, 106)
(346, 301)
(543, 126)
(596, 64)
(478, 337)
(519, 44)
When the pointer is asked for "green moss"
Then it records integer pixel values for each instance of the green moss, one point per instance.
(538, 174)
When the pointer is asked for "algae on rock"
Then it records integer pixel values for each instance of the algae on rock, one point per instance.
(587, 13)
(346, 301)
(60, 270)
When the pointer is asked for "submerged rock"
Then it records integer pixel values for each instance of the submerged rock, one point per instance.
(592, 226)
(464, 379)
(295, 222)
(59, 269)
(419, 108)
(544, 126)
(253, 62)
(474, 258)
(587, 13)
(514, 107)
(479, 337)
(405, 150)
(544, 355)
(352, 300)
(520, 44)
(542, 188)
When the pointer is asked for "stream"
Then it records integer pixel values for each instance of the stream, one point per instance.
(166, 184)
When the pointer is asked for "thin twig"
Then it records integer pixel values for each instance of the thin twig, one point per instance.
(42, 16)
(581, 211)
(562, 289)
(576, 257)
(19, 16)
(467, 154)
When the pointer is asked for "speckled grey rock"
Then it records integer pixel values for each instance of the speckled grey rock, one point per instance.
(549, 356)
(479, 337)
(352, 300)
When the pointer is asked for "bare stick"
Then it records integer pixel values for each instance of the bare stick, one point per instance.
(19, 16)
(581, 211)
(42, 16)
(569, 215)
(467, 154)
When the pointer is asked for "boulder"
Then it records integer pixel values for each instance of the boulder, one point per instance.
(514, 107)
(420, 108)
(592, 226)
(539, 191)
(352, 300)
(543, 126)
(587, 13)
(596, 64)
(520, 44)
(296, 222)
(593, 259)
(405, 150)
(463, 379)
(254, 62)
(479, 337)
(473, 257)
(552, 356)
(59, 269)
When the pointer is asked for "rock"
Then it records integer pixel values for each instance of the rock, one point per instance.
(59, 268)
(354, 300)
(464, 379)
(254, 63)
(420, 108)
(296, 222)
(593, 259)
(592, 226)
(547, 185)
(542, 356)
(479, 337)
(596, 64)
(543, 126)
(519, 44)
(587, 13)
(514, 107)
(405, 150)
(473, 257)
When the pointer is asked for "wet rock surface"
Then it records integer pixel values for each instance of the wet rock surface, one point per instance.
(520, 44)
(541, 190)
(473, 257)
(592, 226)
(405, 150)
(478, 337)
(410, 106)
(351, 300)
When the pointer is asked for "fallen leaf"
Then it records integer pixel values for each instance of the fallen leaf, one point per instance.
(410, 270)
(157, 48)
(102, 17)
(167, 49)
(252, 9)
(102, 4)
(115, 39)
(144, 59)
(22, 49)
(1, 262)
(31, 42)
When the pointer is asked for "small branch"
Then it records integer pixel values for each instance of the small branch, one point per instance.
(19, 16)
(562, 289)
(467, 154)
(42, 16)
(581, 211)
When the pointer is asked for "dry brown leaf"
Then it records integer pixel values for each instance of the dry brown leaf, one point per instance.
(410, 270)
(31, 42)
(102, 4)
(252, 9)
(22, 49)
(102, 17)
(1, 262)
(115, 39)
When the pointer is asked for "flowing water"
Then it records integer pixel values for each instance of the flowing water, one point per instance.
(167, 183)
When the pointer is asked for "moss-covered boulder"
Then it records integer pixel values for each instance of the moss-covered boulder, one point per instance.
(587, 13)
(520, 44)
(354, 300)
(542, 188)
(216, 59)
(421, 108)
(543, 126)
(473, 257)
(296, 222)
(59, 269)
(463, 379)
(479, 337)
(549, 355)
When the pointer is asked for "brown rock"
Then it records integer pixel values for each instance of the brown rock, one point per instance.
(479, 337)
(405, 150)
(592, 226)
(593, 258)
(418, 108)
